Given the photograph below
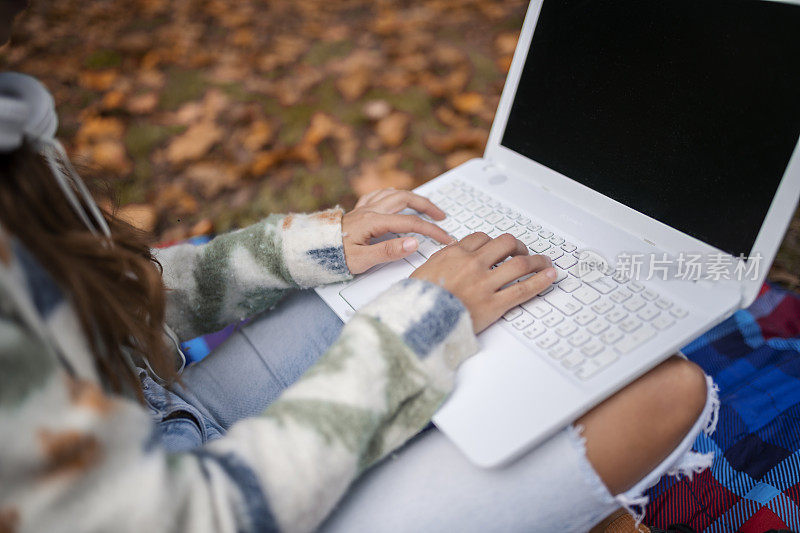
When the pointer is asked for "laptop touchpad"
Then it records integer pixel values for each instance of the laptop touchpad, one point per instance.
(373, 283)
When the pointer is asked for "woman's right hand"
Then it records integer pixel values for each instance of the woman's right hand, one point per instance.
(465, 270)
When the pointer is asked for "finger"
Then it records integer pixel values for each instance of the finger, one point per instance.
(499, 248)
(474, 241)
(519, 266)
(523, 291)
(383, 223)
(398, 201)
(390, 250)
(374, 196)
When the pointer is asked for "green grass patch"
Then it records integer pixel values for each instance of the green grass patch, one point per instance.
(322, 52)
(414, 101)
(140, 140)
(484, 72)
(182, 86)
(103, 58)
(295, 120)
(328, 98)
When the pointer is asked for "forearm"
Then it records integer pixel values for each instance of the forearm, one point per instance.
(244, 272)
(377, 386)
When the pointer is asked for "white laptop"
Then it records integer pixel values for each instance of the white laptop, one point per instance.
(659, 137)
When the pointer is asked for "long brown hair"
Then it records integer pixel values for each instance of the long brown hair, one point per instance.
(116, 290)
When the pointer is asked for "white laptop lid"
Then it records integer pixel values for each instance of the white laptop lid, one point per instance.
(696, 102)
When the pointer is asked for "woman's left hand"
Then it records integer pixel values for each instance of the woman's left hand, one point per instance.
(376, 214)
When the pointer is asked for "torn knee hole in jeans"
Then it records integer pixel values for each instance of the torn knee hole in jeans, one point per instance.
(683, 461)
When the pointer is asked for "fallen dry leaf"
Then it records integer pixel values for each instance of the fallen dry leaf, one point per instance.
(204, 226)
(353, 84)
(142, 104)
(142, 216)
(194, 143)
(258, 135)
(468, 103)
(393, 129)
(212, 178)
(111, 155)
(97, 80)
(506, 42)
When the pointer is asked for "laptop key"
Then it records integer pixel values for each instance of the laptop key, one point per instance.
(563, 302)
(678, 312)
(512, 313)
(611, 336)
(663, 321)
(537, 307)
(517, 231)
(635, 286)
(587, 370)
(540, 246)
(568, 247)
(648, 313)
(584, 317)
(569, 284)
(620, 296)
(566, 261)
(579, 338)
(553, 319)
(630, 342)
(663, 303)
(572, 360)
(474, 222)
(559, 350)
(634, 304)
(605, 358)
(534, 330)
(553, 253)
(629, 324)
(504, 224)
(603, 306)
(523, 321)
(494, 218)
(592, 348)
(547, 340)
(603, 285)
(649, 295)
(566, 329)
(586, 295)
(615, 315)
(597, 327)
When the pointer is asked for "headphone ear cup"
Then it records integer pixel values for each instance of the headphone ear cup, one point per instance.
(41, 120)
(13, 117)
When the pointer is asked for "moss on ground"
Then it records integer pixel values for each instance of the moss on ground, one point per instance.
(103, 58)
(321, 52)
(182, 86)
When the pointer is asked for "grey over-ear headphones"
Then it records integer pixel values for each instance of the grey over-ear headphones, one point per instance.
(27, 111)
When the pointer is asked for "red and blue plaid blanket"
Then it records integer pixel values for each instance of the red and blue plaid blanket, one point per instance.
(754, 483)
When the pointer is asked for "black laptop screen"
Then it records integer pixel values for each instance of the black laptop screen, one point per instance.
(685, 110)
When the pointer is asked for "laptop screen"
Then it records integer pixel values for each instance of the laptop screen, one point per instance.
(687, 110)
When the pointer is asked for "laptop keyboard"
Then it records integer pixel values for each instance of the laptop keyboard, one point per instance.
(582, 326)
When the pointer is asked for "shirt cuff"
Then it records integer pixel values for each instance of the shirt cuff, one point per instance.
(312, 248)
(432, 322)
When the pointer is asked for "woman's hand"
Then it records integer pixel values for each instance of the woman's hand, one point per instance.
(374, 215)
(465, 269)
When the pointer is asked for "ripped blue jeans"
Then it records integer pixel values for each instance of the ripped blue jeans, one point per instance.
(427, 485)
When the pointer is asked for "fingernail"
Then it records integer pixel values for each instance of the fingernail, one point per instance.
(410, 244)
(550, 273)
